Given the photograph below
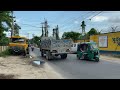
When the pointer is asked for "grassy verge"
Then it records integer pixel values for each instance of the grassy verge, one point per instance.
(5, 53)
(117, 56)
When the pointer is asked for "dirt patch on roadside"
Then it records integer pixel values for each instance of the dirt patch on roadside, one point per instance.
(3, 76)
(18, 67)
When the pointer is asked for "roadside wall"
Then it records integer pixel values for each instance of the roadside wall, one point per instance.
(77, 41)
(3, 48)
(108, 42)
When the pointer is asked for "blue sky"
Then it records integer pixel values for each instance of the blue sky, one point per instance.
(66, 20)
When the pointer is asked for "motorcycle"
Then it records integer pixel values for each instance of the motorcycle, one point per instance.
(32, 48)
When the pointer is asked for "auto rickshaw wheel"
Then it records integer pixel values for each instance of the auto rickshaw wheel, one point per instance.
(78, 58)
(97, 59)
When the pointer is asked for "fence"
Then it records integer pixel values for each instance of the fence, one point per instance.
(3, 48)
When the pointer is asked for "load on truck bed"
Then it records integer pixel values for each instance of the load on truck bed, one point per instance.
(52, 47)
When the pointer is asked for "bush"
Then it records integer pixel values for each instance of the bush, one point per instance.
(5, 53)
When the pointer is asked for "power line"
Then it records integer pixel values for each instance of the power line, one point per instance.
(30, 25)
(95, 15)
(84, 16)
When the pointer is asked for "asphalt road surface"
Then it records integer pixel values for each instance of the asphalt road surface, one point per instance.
(71, 68)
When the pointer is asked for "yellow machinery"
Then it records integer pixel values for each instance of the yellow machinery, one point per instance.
(19, 45)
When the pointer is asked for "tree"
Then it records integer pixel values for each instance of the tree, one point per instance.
(16, 28)
(71, 35)
(5, 24)
(35, 40)
(92, 31)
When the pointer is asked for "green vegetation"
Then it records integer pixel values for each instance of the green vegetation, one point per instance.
(71, 35)
(117, 56)
(5, 53)
(78, 36)
(6, 19)
(35, 40)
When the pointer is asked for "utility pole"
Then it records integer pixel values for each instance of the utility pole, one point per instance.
(12, 31)
(57, 33)
(45, 28)
(42, 31)
(83, 29)
(53, 32)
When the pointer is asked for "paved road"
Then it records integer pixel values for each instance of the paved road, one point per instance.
(71, 68)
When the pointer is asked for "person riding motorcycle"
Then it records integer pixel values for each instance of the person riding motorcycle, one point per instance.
(32, 47)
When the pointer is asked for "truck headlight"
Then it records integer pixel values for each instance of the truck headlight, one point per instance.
(67, 50)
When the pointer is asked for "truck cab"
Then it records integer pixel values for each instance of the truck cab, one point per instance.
(19, 45)
(74, 48)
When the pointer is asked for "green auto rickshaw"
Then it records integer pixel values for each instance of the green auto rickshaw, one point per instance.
(88, 51)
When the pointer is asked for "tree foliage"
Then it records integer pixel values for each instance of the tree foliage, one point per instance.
(35, 40)
(5, 24)
(92, 31)
(71, 35)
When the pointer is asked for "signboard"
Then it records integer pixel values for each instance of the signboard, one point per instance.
(91, 40)
(103, 41)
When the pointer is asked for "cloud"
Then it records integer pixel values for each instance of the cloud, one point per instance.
(18, 20)
(76, 22)
(99, 18)
(114, 20)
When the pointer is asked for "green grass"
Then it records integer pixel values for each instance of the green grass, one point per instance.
(5, 53)
(117, 56)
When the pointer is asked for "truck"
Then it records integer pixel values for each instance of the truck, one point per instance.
(19, 45)
(74, 48)
(52, 47)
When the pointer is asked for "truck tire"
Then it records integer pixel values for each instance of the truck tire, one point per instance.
(48, 55)
(27, 50)
(24, 53)
(63, 56)
(42, 54)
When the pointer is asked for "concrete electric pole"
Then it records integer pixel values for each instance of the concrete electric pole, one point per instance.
(83, 29)
(12, 31)
(45, 31)
(42, 31)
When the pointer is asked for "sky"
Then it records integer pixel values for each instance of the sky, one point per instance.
(30, 21)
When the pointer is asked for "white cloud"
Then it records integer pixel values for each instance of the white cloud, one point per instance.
(18, 20)
(76, 22)
(114, 19)
(99, 19)
(60, 34)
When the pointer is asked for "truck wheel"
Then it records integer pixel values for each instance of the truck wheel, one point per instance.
(24, 53)
(64, 56)
(42, 53)
(27, 51)
(48, 55)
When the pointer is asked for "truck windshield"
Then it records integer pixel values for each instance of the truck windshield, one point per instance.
(94, 46)
(18, 40)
